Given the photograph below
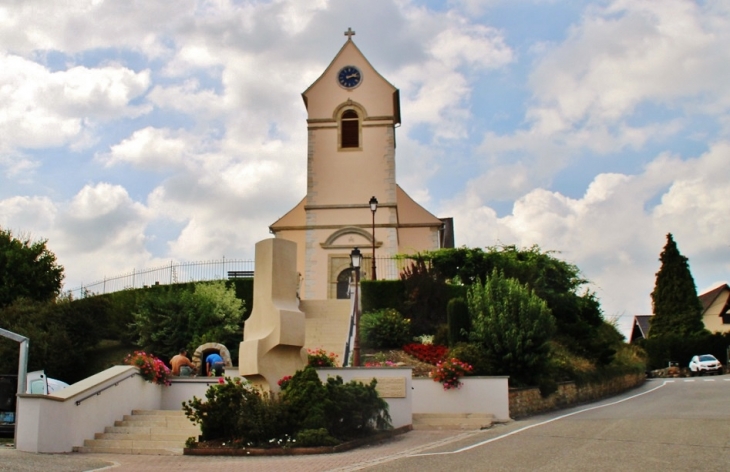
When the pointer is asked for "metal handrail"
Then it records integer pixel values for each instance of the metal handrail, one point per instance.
(98, 392)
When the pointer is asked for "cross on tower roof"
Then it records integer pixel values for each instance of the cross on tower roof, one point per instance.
(349, 33)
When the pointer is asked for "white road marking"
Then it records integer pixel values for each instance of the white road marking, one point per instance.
(467, 448)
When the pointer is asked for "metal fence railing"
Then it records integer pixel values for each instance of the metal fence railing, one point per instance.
(387, 268)
(175, 272)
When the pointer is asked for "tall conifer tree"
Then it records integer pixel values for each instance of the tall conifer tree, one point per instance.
(677, 308)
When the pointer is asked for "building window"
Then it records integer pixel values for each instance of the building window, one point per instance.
(350, 129)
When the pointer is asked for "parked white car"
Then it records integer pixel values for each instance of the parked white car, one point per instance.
(38, 383)
(705, 364)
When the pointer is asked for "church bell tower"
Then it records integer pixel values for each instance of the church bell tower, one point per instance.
(352, 113)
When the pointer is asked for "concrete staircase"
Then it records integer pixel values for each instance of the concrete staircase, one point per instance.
(155, 432)
(458, 421)
(327, 324)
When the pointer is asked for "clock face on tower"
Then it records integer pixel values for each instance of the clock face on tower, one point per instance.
(349, 77)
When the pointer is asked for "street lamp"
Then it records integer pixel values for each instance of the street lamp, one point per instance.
(355, 261)
(373, 208)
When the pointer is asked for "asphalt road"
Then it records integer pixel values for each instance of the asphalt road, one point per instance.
(666, 425)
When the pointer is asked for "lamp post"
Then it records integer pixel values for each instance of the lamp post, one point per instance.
(355, 261)
(373, 208)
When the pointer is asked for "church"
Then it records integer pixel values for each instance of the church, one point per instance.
(352, 197)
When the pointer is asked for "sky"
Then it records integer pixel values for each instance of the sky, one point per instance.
(135, 133)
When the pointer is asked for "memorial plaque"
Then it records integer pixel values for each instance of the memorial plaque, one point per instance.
(387, 387)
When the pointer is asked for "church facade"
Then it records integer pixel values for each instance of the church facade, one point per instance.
(352, 114)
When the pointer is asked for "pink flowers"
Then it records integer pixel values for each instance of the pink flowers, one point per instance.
(448, 372)
(150, 367)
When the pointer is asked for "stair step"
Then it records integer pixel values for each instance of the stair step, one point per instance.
(163, 436)
(172, 413)
(173, 422)
(448, 421)
(124, 450)
(154, 432)
(151, 430)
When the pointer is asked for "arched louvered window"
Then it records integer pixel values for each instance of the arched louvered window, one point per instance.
(350, 129)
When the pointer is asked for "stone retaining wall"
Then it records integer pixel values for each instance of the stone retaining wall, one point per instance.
(528, 401)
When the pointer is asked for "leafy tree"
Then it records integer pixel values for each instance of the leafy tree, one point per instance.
(28, 269)
(169, 318)
(426, 297)
(61, 337)
(217, 315)
(577, 312)
(676, 306)
(161, 321)
(512, 325)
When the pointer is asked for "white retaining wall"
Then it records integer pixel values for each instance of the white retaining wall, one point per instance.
(399, 408)
(55, 423)
(477, 395)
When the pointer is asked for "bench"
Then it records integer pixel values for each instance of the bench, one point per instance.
(240, 274)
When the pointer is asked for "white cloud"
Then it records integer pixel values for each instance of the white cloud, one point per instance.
(29, 26)
(153, 149)
(632, 53)
(19, 214)
(612, 232)
(436, 91)
(629, 73)
(44, 109)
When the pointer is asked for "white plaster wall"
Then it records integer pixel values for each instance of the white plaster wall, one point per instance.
(477, 395)
(399, 408)
(55, 423)
(184, 389)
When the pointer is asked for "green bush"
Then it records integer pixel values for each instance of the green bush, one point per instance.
(385, 329)
(457, 314)
(381, 294)
(442, 335)
(234, 410)
(314, 438)
(475, 356)
(306, 398)
(356, 409)
(512, 325)
(313, 413)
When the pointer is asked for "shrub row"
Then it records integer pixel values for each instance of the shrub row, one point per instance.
(305, 413)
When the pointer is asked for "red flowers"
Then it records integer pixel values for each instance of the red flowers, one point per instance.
(449, 372)
(431, 353)
(321, 358)
(284, 381)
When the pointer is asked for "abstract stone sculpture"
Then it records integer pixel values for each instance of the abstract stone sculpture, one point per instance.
(273, 337)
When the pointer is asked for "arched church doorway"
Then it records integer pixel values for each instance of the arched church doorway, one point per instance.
(343, 284)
